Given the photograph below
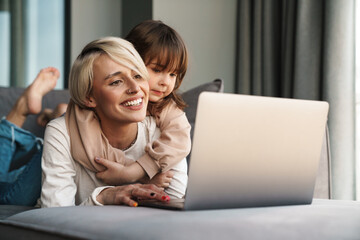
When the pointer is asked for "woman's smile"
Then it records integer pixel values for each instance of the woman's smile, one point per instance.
(134, 103)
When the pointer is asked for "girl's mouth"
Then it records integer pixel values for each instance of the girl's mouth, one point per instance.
(158, 93)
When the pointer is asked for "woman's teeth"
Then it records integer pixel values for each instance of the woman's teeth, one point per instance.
(133, 103)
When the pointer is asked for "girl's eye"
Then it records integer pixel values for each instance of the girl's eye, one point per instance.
(116, 82)
(173, 74)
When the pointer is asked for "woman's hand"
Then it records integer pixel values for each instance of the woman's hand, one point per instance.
(118, 174)
(129, 194)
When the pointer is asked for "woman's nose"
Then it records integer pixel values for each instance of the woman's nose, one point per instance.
(133, 87)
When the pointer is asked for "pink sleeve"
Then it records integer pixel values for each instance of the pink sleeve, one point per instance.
(173, 145)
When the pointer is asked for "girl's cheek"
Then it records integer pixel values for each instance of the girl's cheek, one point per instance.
(151, 82)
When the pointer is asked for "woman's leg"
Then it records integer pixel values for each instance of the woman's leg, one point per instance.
(19, 186)
(25, 190)
(17, 145)
(49, 114)
(15, 142)
(30, 101)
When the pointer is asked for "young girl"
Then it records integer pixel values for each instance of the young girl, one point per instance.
(165, 57)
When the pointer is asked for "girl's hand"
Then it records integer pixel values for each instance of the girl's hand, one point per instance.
(129, 194)
(163, 179)
(118, 174)
(113, 174)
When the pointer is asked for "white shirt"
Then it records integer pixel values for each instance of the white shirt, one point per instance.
(65, 182)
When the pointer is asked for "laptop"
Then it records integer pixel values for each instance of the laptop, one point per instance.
(251, 151)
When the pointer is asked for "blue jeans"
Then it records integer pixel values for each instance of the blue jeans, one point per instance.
(20, 165)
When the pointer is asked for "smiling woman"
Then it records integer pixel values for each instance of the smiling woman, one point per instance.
(106, 114)
(115, 96)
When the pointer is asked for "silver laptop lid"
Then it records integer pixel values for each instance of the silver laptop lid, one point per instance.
(254, 151)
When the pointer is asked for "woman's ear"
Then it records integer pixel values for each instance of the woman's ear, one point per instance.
(90, 102)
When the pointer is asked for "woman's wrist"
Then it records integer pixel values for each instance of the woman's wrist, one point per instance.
(100, 196)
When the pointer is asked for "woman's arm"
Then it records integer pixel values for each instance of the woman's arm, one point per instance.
(59, 170)
(58, 183)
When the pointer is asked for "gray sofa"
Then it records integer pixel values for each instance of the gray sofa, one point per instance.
(323, 219)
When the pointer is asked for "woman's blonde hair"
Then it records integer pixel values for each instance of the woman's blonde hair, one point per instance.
(81, 73)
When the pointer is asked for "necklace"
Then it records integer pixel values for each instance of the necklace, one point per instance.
(131, 144)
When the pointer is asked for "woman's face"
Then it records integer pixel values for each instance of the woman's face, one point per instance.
(119, 94)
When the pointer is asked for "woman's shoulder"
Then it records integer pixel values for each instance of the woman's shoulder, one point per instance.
(57, 125)
(58, 122)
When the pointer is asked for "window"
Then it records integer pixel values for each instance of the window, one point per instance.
(31, 38)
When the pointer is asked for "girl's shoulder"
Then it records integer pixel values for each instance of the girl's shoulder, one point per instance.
(148, 123)
(149, 127)
(171, 108)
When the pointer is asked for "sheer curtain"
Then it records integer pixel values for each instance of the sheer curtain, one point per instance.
(304, 49)
(31, 38)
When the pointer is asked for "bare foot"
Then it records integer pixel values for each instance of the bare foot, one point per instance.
(30, 101)
(48, 114)
(43, 83)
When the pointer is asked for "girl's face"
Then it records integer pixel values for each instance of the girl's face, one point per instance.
(119, 94)
(161, 82)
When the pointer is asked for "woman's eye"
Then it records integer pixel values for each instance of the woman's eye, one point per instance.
(116, 82)
(138, 76)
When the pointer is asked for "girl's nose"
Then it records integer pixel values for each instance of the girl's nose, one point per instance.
(165, 79)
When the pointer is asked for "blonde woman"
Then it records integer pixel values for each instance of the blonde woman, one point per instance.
(107, 112)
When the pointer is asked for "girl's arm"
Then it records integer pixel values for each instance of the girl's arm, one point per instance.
(173, 145)
(161, 155)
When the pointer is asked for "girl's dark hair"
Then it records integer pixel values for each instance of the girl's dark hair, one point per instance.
(157, 42)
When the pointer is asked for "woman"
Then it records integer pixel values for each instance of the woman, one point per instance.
(109, 94)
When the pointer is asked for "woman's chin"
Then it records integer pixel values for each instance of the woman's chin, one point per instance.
(137, 117)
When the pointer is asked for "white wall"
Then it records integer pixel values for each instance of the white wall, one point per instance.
(92, 19)
(208, 29)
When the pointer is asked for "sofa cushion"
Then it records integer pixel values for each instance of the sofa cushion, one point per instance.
(323, 219)
(8, 97)
(9, 210)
